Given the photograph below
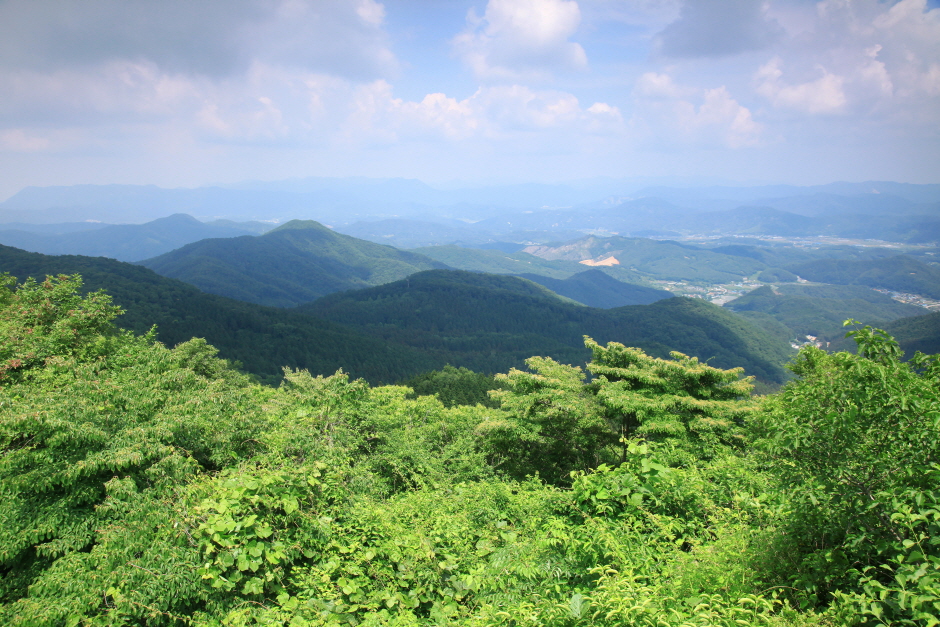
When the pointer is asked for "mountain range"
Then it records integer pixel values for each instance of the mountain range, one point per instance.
(388, 333)
(125, 242)
(894, 211)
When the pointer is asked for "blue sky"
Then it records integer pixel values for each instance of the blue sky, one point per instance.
(182, 93)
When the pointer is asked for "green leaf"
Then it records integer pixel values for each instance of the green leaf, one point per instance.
(263, 531)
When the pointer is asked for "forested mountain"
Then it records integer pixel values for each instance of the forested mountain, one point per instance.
(784, 255)
(483, 322)
(488, 321)
(126, 242)
(900, 273)
(292, 264)
(820, 310)
(262, 339)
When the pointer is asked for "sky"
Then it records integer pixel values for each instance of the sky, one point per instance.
(180, 93)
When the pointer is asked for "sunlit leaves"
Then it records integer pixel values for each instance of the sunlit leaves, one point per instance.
(699, 408)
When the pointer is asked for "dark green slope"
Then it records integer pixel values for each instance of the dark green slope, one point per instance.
(293, 264)
(917, 334)
(819, 310)
(490, 323)
(264, 339)
(899, 273)
(698, 328)
(595, 288)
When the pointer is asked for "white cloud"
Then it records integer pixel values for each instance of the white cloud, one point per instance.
(864, 58)
(667, 114)
(497, 113)
(108, 93)
(653, 85)
(823, 95)
(19, 140)
(522, 39)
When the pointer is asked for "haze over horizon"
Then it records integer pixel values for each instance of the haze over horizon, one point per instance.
(181, 94)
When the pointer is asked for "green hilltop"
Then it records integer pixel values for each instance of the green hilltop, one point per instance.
(292, 264)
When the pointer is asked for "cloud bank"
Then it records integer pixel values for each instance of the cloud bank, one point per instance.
(181, 92)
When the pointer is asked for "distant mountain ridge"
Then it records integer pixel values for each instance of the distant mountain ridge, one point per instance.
(295, 263)
(517, 212)
(652, 258)
(125, 242)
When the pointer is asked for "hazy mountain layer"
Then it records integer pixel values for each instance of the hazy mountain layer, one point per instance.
(900, 273)
(652, 259)
(403, 233)
(892, 211)
(126, 242)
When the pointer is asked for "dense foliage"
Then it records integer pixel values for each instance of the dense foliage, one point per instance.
(144, 485)
(455, 386)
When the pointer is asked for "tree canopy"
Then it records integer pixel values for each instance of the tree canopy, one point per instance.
(148, 485)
